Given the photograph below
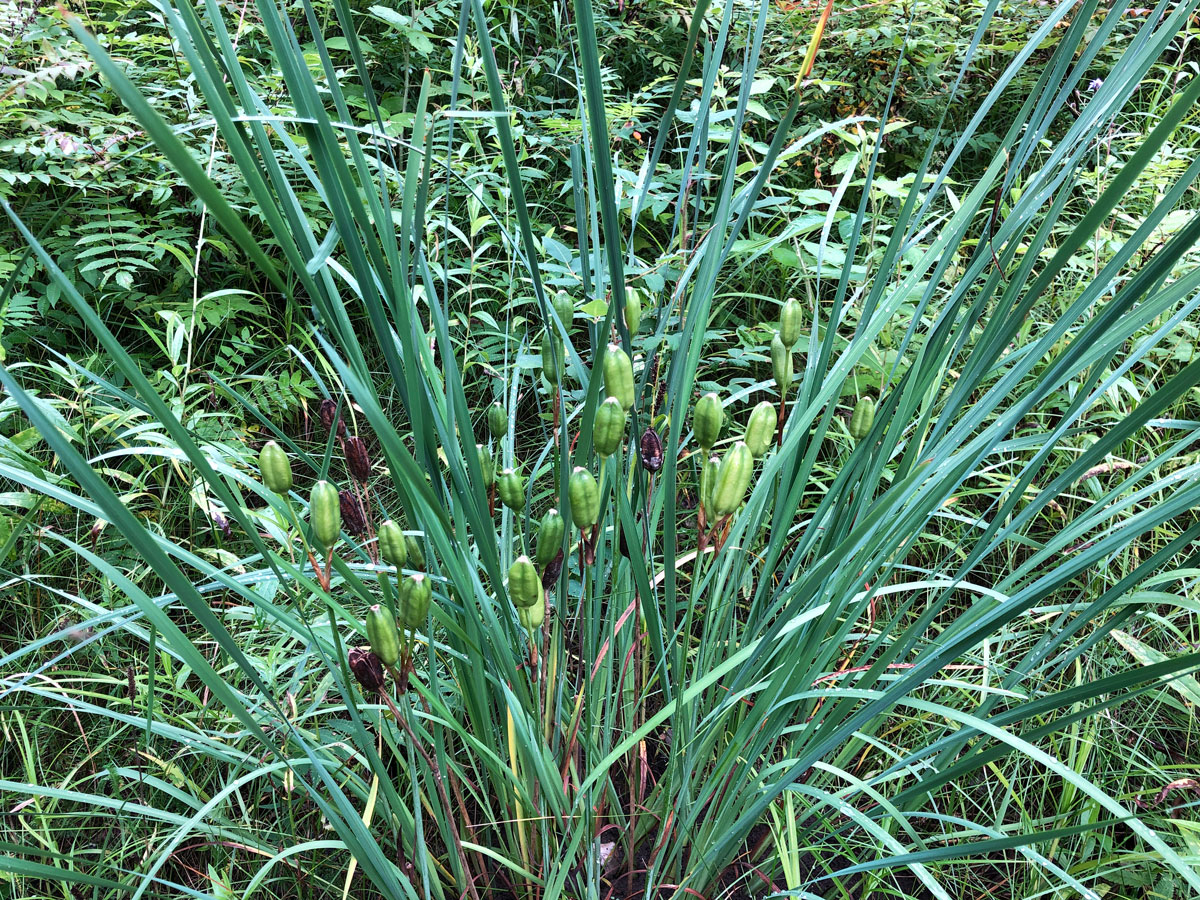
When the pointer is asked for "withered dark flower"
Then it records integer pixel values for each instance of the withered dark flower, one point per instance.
(222, 524)
(358, 460)
(354, 519)
(330, 417)
(367, 669)
(650, 450)
(552, 571)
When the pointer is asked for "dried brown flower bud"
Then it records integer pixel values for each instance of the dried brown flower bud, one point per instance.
(354, 519)
(552, 571)
(367, 669)
(330, 417)
(358, 461)
(650, 450)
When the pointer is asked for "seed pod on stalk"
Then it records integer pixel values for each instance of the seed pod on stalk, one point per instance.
(497, 420)
(393, 548)
(760, 429)
(781, 364)
(325, 513)
(618, 376)
(276, 468)
(524, 585)
(608, 429)
(511, 487)
(549, 537)
(707, 418)
(862, 418)
(382, 634)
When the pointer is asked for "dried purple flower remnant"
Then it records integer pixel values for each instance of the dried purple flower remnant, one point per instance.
(367, 669)
(650, 450)
(353, 516)
(358, 460)
(330, 417)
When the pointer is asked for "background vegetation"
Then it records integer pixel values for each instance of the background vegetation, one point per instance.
(952, 658)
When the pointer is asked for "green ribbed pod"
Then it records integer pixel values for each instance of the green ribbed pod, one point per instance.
(760, 429)
(549, 537)
(276, 468)
(325, 513)
(382, 635)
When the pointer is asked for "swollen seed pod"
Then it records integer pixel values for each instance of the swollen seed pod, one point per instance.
(524, 585)
(415, 594)
(708, 480)
(760, 429)
(486, 464)
(393, 548)
(737, 466)
(549, 537)
(325, 513)
(608, 428)
(553, 360)
(382, 635)
(416, 556)
(358, 460)
(618, 376)
(862, 418)
(707, 419)
(781, 364)
(511, 488)
(564, 308)
(532, 617)
(633, 309)
(584, 495)
(497, 420)
(650, 450)
(791, 321)
(276, 468)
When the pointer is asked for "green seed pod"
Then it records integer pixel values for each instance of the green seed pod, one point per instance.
(549, 537)
(791, 321)
(618, 376)
(511, 488)
(707, 419)
(487, 464)
(552, 367)
(633, 309)
(781, 364)
(862, 418)
(382, 635)
(532, 617)
(584, 495)
(733, 478)
(524, 583)
(497, 420)
(708, 480)
(325, 513)
(416, 556)
(415, 594)
(393, 549)
(276, 468)
(564, 308)
(609, 427)
(760, 429)
(887, 337)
